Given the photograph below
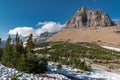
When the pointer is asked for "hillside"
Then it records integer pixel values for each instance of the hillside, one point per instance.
(89, 26)
(109, 36)
(73, 54)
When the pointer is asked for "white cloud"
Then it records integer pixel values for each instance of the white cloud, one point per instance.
(44, 27)
(23, 31)
(42, 23)
(116, 19)
(50, 26)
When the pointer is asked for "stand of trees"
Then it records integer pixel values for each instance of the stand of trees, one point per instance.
(23, 59)
(77, 54)
(65, 53)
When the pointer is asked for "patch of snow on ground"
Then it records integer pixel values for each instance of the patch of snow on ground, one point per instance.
(55, 74)
(41, 48)
(111, 48)
(95, 74)
(6, 73)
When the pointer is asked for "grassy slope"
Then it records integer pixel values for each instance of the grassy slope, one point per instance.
(73, 53)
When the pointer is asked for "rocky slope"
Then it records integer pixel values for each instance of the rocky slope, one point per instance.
(43, 37)
(90, 26)
(89, 18)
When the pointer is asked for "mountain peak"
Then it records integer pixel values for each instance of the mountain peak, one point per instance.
(89, 18)
(82, 9)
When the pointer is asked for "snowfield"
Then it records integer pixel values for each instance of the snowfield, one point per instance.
(6, 74)
(55, 74)
(95, 74)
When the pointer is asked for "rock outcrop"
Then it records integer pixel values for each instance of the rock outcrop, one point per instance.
(89, 18)
(43, 37)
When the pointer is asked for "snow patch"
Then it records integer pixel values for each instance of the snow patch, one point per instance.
(6, 74)
(111, 48)
(95, 74)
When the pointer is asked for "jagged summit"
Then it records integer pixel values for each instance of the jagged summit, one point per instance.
(82, 9)
(89, 18)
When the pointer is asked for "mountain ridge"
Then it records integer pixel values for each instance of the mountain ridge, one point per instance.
(107, 33)
(89, 18)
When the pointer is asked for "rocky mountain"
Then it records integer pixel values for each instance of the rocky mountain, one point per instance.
(89, 26)
(89, 18)
(44, 36)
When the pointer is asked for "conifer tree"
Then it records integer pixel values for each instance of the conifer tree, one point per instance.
(7, 52)
(18, 50)
(29, 45)
(0, 41)
(15, 56)
(21, 65)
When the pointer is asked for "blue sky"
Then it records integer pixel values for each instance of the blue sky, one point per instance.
(18, 13)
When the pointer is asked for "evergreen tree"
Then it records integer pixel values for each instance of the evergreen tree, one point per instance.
(14, 56)
(0, 41)
(7, 52)
(41, 67)
(29, 45)
(18, 50)
(21, 65)
(18, 46)
(15, 51)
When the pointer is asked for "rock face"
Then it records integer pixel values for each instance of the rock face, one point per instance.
(44, 36)
(89, 18)
(89, 26)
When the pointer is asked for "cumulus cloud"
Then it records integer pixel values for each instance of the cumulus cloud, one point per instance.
(44, 27)
(23, 31)
(50, 26)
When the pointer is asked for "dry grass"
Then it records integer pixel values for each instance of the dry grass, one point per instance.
(101, 35)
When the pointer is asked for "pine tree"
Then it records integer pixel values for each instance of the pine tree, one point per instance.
(15, 56)
(21, 65)
(0, 41)
(29, 45)
(18, 50)
(7, 53)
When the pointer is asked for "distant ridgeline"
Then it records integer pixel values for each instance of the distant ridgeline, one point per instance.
(89, 18)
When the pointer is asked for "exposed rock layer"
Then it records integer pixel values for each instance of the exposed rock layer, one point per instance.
(89, 18)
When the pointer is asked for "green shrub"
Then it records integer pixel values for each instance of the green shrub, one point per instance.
(59, 66)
